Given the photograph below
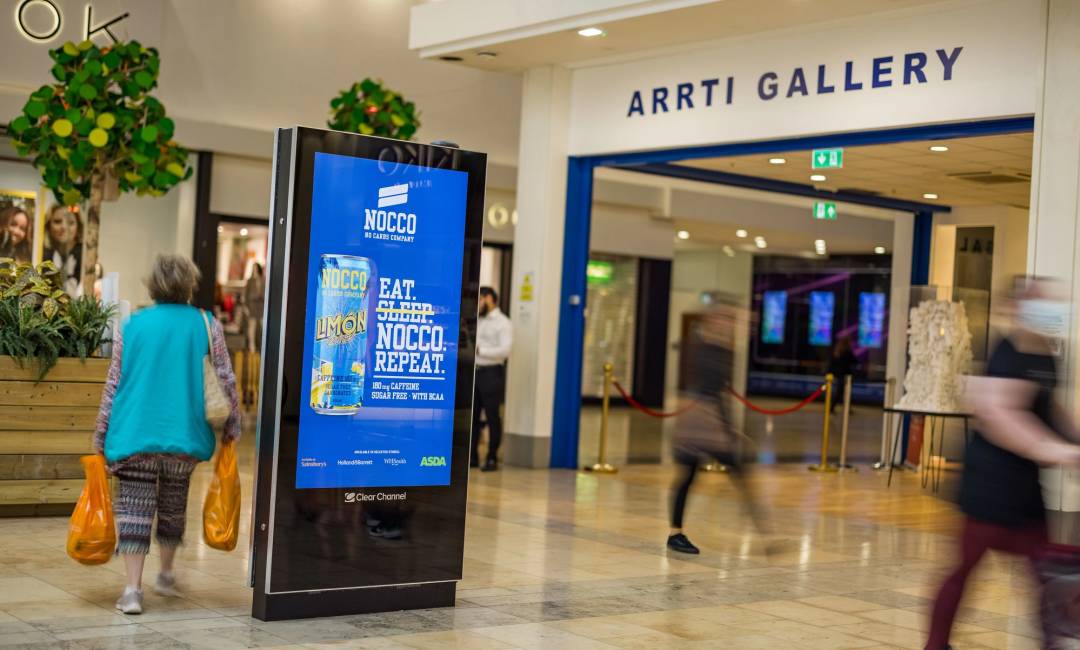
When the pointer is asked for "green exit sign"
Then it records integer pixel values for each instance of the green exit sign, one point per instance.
(599, 272)
(827, 158)
(824, 210)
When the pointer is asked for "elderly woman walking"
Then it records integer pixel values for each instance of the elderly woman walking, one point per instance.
(152, 426)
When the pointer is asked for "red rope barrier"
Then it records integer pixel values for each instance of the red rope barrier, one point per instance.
(784, 411)
(645, 409)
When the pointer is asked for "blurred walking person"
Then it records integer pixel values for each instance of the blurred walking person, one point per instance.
(494, 337)
(842, 365)
(706, 433)
(152, 425)
(1019, 427)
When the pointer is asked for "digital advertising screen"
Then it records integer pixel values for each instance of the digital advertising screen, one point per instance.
(774, 315)
(871, 319)
(382, 324)
(822, 309)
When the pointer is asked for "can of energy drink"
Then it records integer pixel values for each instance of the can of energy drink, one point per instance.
(340, 345)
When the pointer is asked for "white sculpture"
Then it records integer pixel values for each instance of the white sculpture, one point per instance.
(939, 351)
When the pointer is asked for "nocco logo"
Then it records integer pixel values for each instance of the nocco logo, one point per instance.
(392, 225)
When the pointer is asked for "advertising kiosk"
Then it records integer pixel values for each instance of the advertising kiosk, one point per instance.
(364, 416)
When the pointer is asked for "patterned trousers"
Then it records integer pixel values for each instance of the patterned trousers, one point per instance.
(150, 484)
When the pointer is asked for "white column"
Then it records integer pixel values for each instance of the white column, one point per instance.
(1053, 240)
(538, 244)
(899, 297)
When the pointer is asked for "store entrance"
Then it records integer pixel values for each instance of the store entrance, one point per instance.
(818, 259)
(239, 295)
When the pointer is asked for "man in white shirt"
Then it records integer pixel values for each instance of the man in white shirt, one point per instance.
(494, 336)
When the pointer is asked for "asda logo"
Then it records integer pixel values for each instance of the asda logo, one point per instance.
(433, 461)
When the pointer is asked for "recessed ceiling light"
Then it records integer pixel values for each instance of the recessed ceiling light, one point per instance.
(451, 58)
(820, 243)
(590, 32)
(879, 250)
(817, 178)
(221, 229)
(729, 251)
(938, 148)
(243, 232)
(777, 161)
(760, 242)
(682, 234)
(741, 234)
(487, 55)
(929, 195)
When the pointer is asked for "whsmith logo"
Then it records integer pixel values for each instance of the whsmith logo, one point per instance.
(433, 461)
(390, 225)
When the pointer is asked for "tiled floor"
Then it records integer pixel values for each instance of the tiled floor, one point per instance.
(567, 560)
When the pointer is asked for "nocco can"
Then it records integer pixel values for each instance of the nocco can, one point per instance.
(341, 312)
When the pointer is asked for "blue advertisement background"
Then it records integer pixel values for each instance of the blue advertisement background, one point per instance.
(408, 441)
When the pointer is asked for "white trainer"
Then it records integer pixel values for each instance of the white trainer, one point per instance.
(130, 602)
(166, 586)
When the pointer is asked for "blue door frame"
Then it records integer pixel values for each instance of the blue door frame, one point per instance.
(579, 186)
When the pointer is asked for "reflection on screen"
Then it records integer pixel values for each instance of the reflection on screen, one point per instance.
(774, 314)
(871, 319)
(822, 306)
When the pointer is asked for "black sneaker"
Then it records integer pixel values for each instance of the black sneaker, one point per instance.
(490, 465)
(682, 544)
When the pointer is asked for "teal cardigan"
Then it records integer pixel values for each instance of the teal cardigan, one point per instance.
(158, 407)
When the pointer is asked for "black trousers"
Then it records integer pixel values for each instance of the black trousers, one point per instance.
(488, 398)
(688, 469)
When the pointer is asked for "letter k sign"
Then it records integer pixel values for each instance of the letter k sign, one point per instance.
(93, 30)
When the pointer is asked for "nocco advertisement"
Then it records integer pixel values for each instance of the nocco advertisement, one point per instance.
(382, 324)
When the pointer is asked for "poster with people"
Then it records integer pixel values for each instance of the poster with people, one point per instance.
(18, 209)
(63, 245)
(382, 325)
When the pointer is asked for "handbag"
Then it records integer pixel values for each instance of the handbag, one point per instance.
(217, 405)
(221, 508)
(92, 527)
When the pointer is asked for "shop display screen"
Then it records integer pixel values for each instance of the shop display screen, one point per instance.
(382, 324)
(774, 314)
(871, 319)
(822, 308)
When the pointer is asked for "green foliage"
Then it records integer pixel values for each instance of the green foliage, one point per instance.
(39, 323)
(99, 121)
(368, 108)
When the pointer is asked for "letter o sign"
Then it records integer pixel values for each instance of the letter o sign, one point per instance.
(38, 35)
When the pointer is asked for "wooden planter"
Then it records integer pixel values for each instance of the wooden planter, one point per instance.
(44, 428)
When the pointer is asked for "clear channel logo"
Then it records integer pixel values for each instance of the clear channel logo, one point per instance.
(390, 225)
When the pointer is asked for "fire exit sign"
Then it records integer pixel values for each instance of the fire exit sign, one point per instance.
(825, 210)
(827, 158)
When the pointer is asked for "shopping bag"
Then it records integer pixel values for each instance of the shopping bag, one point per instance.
(221, 509)
(92, 530)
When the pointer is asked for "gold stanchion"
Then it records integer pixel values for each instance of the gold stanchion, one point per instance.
(843, 464)
(824, 465)
(602, 466)
(886, 436)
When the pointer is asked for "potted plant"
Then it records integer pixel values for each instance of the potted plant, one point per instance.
(97, 132)
(369, 108)
(50, 387)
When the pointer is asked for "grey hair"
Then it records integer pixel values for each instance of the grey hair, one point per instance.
(173, 279)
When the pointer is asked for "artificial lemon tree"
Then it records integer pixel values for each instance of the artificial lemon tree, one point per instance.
(97, 132)
(369, 108)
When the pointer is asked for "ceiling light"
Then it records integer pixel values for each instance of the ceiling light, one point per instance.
(221, 229)
(929, 195)
(777, 161)
(729, 251)
(243, 232)
(817, 178)
(451, 58)
(741, 234)
(938, 148)
(590, 32)
(487, 55)
(760, 242)
(879, 250)
(682, 234)
(819, 243)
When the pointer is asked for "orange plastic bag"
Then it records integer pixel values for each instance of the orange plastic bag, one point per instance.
(92, 530)
(221, 509)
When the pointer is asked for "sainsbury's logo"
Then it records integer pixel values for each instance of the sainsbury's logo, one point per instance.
(393, 195)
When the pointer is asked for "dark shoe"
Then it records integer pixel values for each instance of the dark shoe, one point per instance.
(490, 466)
(680, 543)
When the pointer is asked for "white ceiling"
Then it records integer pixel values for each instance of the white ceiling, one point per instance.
(908, 170)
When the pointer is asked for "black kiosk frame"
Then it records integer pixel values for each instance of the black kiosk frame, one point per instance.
(329, 551)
